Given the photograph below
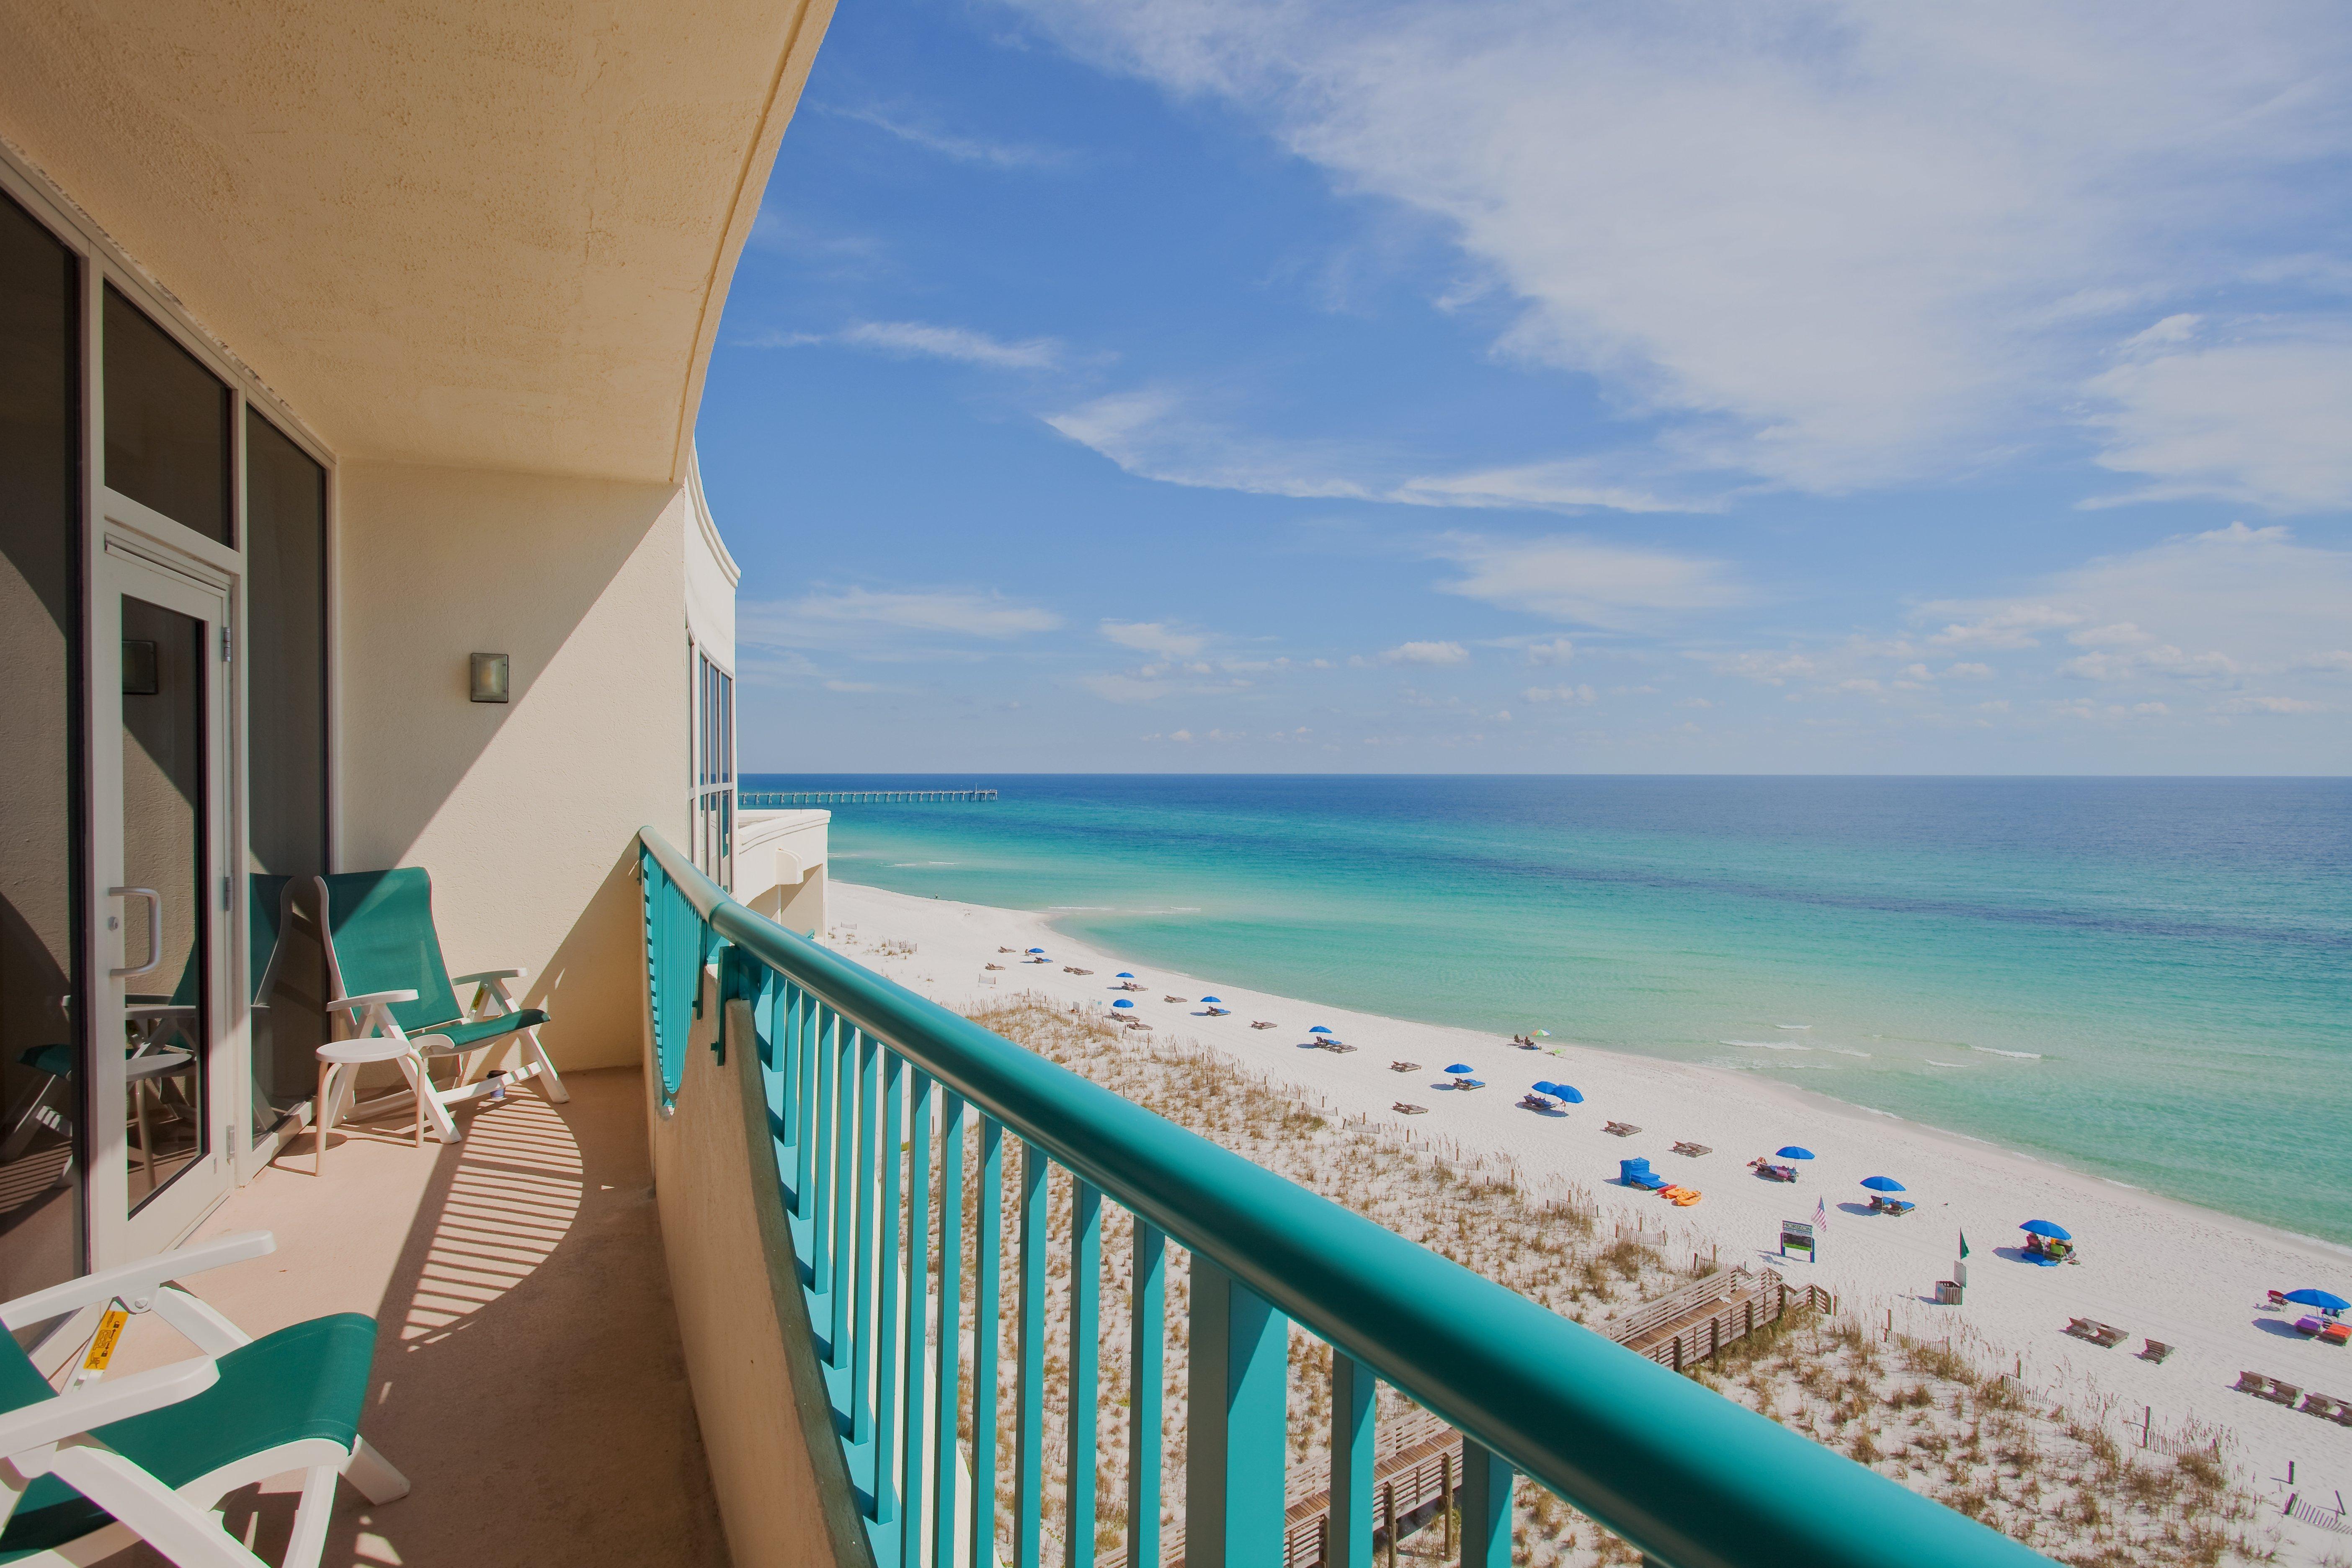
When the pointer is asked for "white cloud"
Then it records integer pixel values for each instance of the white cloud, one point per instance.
(1156, 432)
(962, 149)
(1154, 637)
(1968, 672)
(953, 343)
(2266, 705)
(2010, 626)
(857, 618)
(2258, 419)
(1829, 243)
(1559, 694)
(1438, 653)
(1559, 650)
(1125, 687)
(1772, 669)
(1587, 582)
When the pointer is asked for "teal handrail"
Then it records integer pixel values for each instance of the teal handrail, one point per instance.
(1692, 1479)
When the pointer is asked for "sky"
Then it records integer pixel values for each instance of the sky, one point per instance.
(1240, 385)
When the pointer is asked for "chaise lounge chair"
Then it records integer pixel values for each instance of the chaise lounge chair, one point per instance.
(1693, 1149)
(147, 1456)
(2106, 1336)
(1621, 1129)
(384, 967)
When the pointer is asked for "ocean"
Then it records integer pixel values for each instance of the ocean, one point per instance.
(2149, 979)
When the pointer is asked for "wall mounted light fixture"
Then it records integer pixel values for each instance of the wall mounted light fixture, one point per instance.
(490, 677)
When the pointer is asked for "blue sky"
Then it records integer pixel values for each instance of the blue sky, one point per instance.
(1552, 387)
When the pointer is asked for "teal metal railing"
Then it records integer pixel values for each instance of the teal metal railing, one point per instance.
(857, 1067)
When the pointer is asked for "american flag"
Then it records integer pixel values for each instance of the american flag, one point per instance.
(1821, 1215)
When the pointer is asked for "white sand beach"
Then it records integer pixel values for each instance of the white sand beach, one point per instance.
(2187, 1277)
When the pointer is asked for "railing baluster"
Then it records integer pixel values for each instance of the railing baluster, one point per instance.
(861, 1326)
(918, 1292)
(948, 1352)
(988, 1290)
(1349, 1530)
(1236, 1407)
(1147, 1348)
(1029, 1391)
(810, 1110)
(1485, 1501)
(844, 1191)
(1085, 1375)
(825, 1135)
(890, 1295)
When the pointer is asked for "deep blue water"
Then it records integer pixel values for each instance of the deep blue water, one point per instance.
(2149, 978)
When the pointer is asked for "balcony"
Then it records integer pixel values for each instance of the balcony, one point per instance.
(816, 1275)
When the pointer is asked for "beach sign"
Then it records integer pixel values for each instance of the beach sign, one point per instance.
(1797, 1236)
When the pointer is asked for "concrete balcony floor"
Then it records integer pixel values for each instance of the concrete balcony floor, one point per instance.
(528, 1377)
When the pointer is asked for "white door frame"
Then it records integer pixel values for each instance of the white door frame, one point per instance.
(133, 562)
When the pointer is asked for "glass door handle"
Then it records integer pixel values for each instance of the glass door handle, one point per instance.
(154, 930)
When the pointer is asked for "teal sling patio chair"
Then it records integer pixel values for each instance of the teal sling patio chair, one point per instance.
(148, 1455)
(159, 1042)
(385, 968)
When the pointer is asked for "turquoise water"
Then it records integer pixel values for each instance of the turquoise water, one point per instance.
(2148, 978)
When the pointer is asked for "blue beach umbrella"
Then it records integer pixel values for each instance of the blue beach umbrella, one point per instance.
(1545, 1086)
(1882, 1184)
(2322, 1299)
(1212, 1001)
(1037, 949)
(1122, 974)
(1318, 1029)
(1461, 1067)
(1122, 1001)
(2043, 1227)
(1571, 1094)
(1793, 1152)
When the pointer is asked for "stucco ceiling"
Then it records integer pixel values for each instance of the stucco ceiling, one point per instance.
(482, 233)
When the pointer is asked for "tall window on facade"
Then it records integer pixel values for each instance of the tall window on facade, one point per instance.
(41, 963)
(711, 794)
(286, 696)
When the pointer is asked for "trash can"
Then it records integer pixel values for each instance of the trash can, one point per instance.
(1947, 1292)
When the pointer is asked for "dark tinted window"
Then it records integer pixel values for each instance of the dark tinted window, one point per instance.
(166, 424)
(40, 641)
(286, 688)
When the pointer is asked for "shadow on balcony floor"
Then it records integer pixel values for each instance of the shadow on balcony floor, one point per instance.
(528, 1377)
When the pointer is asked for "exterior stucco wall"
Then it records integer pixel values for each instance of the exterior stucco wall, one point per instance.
(525, 813)
(750, 1356)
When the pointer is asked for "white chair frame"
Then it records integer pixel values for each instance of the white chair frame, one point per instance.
(54, 1436)
(371, 1015)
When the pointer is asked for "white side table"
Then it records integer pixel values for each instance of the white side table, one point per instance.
(338, 1065)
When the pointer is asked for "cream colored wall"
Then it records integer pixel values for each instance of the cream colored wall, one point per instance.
(524, 813)
(711, 576)
(742, 1321)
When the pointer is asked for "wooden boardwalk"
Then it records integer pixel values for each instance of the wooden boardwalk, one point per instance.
(1691, 1324)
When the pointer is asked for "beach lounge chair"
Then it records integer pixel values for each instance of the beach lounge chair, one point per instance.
(1404, 1110)
(384, 967)
(1636, 1173)
(1621, 1129)
(1693, 1149)
(1338, 1047)
(2096, 1332)
(1219, 1012)
(2334, 1334)
(2309, 1328)
(2155, 1350)
(1469, 1083)
(2263, 1386)
(991, 966)
(1260, 1023)
(1770, 1172)
(146, 1457)
(1405, 1067)
(1534, 1102)
(1175, 998)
